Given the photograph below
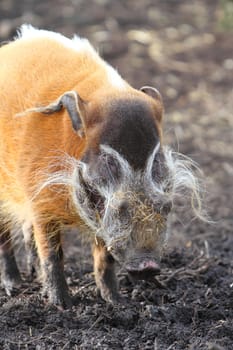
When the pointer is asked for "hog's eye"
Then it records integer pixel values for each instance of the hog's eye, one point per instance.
(95, 199)
(159, 169)
(109, 170)
(166, 208)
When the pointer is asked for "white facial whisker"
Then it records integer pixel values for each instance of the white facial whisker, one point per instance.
(183, 182)
(150, 161)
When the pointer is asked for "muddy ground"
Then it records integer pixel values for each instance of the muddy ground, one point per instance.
(185, 49)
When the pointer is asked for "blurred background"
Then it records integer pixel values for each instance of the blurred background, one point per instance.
(183, 48)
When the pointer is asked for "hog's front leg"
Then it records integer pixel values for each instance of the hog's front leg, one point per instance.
(104, 270)
(33, 266)
(48, 242)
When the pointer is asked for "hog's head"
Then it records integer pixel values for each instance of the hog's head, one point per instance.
(125, 186)
(126, 183)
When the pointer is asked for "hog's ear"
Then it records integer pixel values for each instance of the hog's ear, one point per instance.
(74, 105)
(75, 108)
(152, 92)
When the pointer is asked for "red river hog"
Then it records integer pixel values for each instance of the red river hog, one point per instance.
(80, 147)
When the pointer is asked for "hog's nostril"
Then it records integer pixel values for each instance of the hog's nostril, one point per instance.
(144, 270)
(151, 265)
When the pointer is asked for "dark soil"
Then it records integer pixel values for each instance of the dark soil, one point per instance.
(181, 48)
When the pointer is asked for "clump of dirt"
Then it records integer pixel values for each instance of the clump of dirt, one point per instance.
(180, 48)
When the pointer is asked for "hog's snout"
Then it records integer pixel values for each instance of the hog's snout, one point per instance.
(143, 269)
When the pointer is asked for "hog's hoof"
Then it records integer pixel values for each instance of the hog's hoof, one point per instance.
(11, 285)
(60, 299)
(109, 296)
(11, 281)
